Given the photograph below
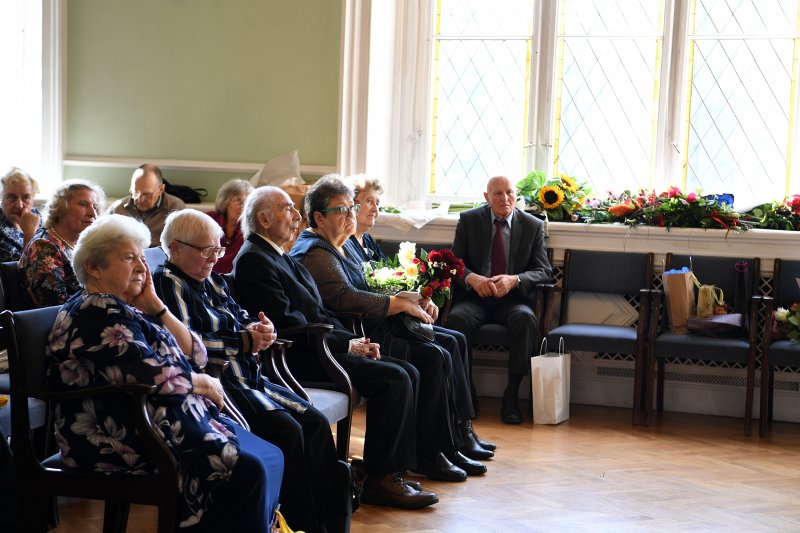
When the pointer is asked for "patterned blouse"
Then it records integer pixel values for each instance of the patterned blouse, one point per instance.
(98, 339)
(11, 238)
(46, 273)
(207, 308)
(225, 264)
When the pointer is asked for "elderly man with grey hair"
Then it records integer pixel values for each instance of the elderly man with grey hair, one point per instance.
(267, 279)
(148, 203)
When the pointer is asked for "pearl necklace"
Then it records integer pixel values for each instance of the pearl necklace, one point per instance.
(65, 241)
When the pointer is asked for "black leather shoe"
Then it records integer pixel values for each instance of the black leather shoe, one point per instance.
(440, 469)
(472, 468)
(485, 444)
(393, 491)
(509, 412)
(471, 448)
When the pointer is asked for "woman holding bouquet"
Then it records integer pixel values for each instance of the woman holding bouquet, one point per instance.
(322, 250)
(368, 196)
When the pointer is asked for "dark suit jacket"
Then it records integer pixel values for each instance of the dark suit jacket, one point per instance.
(527, 256)
(265, 282)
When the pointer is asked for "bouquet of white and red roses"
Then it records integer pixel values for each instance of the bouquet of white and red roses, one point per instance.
(430, 275)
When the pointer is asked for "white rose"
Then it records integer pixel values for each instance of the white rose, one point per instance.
(407, 252)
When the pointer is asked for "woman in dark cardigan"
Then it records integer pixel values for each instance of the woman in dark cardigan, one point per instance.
(322, 249)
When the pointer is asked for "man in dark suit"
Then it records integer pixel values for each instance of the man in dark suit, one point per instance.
(266, 279)
(504, 257)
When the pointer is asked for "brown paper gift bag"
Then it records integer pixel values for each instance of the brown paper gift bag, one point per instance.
(679, 293)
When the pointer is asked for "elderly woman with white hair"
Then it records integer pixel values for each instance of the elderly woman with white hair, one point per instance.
(47, 275)
(227, 210)
(117, 330)
(19, 220)
(313, 496)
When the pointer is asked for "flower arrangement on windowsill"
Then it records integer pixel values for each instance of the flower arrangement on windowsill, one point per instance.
(430, 275)
(559, 197)
(669, 209)
(777, 215)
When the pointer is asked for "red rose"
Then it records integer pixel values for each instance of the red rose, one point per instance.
(691, 197)
(446, 284)
(427, 292)
(434, 284)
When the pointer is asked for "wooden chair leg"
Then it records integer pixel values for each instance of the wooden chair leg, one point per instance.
(771, 394)
(343, 438)
(660, 385)
(115, 517)
(638, 384)
(748, 402)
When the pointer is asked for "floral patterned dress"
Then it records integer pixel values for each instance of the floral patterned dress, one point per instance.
(46, 271)
(98, 339)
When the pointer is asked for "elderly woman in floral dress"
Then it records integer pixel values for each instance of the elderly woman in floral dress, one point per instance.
(117, 330)
(47, 276)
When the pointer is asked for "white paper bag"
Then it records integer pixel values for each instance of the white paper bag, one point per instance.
(550, 385)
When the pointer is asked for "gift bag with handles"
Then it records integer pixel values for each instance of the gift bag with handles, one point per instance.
(550, 385)
(679, 295)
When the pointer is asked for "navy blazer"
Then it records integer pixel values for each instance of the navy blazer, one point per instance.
(527, 256)
(288, 295)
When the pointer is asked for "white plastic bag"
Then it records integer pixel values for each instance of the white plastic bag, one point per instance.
(550, 385)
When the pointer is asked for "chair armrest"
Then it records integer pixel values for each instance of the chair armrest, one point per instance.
(354, 321)
(278, 369)
(341, 381)
(546, 297)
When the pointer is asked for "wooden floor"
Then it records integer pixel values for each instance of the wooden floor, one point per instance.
(593, 473)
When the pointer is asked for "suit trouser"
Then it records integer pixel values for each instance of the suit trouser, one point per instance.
(388, 385)
(470, 313)
(312, 491)
(455, 342)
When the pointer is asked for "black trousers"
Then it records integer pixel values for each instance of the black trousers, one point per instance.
(389, 385)
(460, 352)
(512, 311)
(312, 491)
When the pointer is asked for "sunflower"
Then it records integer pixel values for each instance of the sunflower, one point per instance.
(568, 183)
(551, 196)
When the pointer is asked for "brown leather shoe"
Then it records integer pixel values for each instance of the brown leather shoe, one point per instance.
(393, 491)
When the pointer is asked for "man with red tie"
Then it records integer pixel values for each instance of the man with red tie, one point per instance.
(504, 258)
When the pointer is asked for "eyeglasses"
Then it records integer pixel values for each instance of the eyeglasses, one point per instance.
(343, 209)
(206, 251)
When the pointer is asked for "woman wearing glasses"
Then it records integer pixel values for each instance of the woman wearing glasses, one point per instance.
(228, 209)
(19, 220)
(321, 248)
(313, 492)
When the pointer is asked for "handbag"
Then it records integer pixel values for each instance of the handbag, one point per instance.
(408, 327)
(188, 194)
(550, 385)
(723, 326)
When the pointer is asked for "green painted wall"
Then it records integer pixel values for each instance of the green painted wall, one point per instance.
(210, 80)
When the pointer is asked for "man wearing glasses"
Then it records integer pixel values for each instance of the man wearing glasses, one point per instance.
(148, 202)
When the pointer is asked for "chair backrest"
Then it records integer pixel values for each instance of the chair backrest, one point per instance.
(154, 256)
(622, 273)
(719, 271)
(786, 282)
(12, 290)
(28, 332)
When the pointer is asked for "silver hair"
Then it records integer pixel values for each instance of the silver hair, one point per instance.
(105, 235)
(187, 225)
(261, 199)
(362, 183)
(229, 189)
(57, 204)
(17, 175)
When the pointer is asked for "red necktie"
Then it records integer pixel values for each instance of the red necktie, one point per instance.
(498, 249)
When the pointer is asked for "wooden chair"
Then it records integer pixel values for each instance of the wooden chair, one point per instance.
(625, 275)
(664, 344)
(28, 332)
(9, 277)
(783, 352)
